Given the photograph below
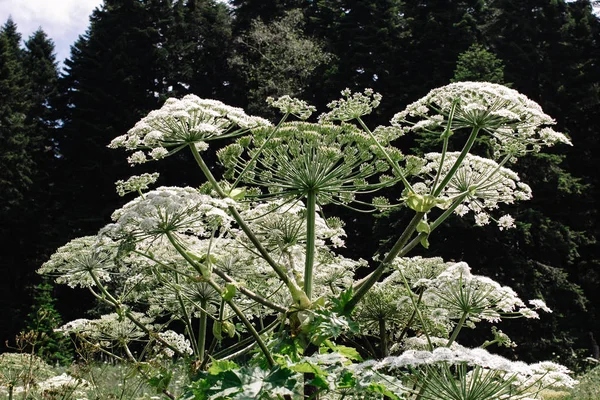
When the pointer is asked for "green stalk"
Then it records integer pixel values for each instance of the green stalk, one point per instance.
(446, 135)
(365, 284)
(416, 309)
(296, 292)
(311, 200)
(188, 321)
(394, 166)
(457, 329)
(249, 293)
(383, 338)
(231, 304)
(465, 150)
(448, 211)
(237, 181)
(202, 329)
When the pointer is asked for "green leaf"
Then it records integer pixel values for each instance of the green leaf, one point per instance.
(349, 352)
(381, 389)
(229, 291)
(425, 242)
(238, 194)
(423, 227)
(219, 366)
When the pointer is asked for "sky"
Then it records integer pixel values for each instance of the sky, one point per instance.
(62, 20)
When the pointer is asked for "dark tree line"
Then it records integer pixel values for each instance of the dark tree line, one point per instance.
(57, 176)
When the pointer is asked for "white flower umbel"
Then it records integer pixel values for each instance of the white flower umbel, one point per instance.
(352, 105)
(168, 209)
(281, 224)
(180, 123)
(74, 263)
(136, 183)
(63, 386)
(517, 124)
(290, 105)
(110, 330)
(178, 341)
(335, 163)
(471, 298)
(481, 183)
(522, 376)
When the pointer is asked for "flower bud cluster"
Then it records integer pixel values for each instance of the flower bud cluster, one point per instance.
(290, 105)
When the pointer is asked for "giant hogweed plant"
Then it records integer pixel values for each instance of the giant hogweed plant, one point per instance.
(241, 278)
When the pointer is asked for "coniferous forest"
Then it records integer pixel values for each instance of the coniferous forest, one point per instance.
(57, 175)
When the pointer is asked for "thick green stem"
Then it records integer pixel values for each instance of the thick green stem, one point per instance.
(457, 329)
(296, 292)
(202, 329)
(383, 338)
(365, 285)
(311, 202)
(465, 150)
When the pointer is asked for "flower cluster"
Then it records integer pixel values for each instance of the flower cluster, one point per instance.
(179, 123)
(335, 163)
(481, 183)
(545, 374)
(351, 106)
(290, 105)
(110, 329)
(176, 340)
(478, 297)
(82, 261)
(136, 183)
(63, 386)
(168, 209)
(516, 123)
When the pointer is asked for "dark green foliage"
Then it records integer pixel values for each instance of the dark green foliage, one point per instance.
(478, 64)
(277, 59)
(28, 79)
(52, 346)
(16, 163)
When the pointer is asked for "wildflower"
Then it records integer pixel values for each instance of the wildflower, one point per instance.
(351, 106)
(517, 124)
(334, 163)
(179, 123)
(135, 183)
(168, 209)
(74, 263)
(293, 106)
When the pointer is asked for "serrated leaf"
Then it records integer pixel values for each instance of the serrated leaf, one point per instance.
(219, 366)
(349, 352)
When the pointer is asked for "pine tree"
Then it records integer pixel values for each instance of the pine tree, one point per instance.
(28, 79)
(115, 74)
(16, 164)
